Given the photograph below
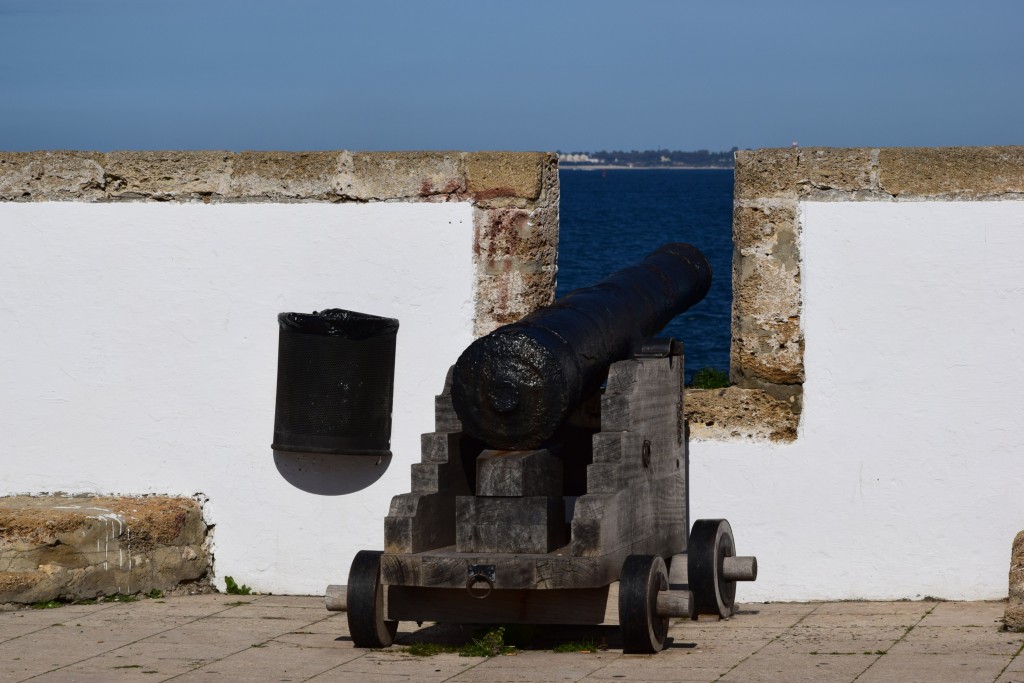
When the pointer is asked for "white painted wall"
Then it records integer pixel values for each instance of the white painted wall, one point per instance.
(139, 348)
(907, 478)
(139, 352)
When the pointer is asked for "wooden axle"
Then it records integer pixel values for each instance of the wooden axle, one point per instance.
(336, 598)
(739, 568)
(678, 604)
(675, 603)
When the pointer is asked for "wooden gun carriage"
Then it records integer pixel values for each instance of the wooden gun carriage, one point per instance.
(554, 489)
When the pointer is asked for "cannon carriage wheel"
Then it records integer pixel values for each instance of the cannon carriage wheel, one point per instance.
(713, 567)
(643, 631)
(366, 623)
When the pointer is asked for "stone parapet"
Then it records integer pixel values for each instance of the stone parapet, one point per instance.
(514, 194)
(736, 414)
(767, 336)
(73, 548)
(81, 547)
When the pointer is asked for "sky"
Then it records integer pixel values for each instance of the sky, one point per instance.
(552, 75)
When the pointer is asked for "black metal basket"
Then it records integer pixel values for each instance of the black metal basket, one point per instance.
(335, 383)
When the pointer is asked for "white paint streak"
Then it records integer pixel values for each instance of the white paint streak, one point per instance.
(906, 478)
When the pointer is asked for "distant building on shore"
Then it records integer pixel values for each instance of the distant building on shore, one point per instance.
(578, 158)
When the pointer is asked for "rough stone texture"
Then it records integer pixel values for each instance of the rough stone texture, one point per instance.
(951, 172)
(78, 547)
(734, 414)
(167, 175)
(516, 249)
(767, 342)
(51, 176)
(767, 339)
(765, 173)
(390, 176)
(1014, 616)
(491, 176)
(284, 175)
(821, 169)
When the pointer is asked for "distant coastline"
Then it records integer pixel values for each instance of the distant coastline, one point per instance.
(617, 167)
(616, 160)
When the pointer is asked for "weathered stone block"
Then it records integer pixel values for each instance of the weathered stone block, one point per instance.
(767, 230)
(71, 548)
(831, 168)
(767, 340)
(372, 176)
(284, 175)
(516, 253)
(505, 174)
(167, 175)
(51, 176)
(738, 414)
(766, 173)
(505, 298)
(951, 172)
(1014, 616)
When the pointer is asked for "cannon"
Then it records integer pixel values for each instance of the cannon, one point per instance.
(554, 487)
(514, 387)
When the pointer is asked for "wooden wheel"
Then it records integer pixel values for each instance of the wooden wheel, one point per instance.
(710, 543)
(366, 622)
(643, 631)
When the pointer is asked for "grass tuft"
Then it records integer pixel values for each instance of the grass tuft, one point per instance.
(581, 646)
(429, 649)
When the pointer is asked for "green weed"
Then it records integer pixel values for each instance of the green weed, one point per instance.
(710, 378)
(490, 644)
(155, 594)
(234, 589)
(47, 604)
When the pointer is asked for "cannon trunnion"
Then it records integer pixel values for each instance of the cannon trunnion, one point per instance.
(563, 503)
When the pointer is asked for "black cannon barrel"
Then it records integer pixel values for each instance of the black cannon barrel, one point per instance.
(513, 388)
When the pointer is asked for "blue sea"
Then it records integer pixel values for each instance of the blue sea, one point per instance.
(612, 219)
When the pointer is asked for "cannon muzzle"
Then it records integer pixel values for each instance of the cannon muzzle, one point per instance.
(513, 388)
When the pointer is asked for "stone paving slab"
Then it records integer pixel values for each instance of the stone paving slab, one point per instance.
(293, 638)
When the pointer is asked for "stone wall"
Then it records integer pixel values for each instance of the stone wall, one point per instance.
(767, 353)
(876, 297)
(84, 547)
(183, 414)
(514, 195)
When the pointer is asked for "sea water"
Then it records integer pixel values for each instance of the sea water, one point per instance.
(612, 219)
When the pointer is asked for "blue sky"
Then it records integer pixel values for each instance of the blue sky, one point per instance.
(563, 75)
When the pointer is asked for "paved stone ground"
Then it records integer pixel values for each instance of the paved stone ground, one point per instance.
(288, 638)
